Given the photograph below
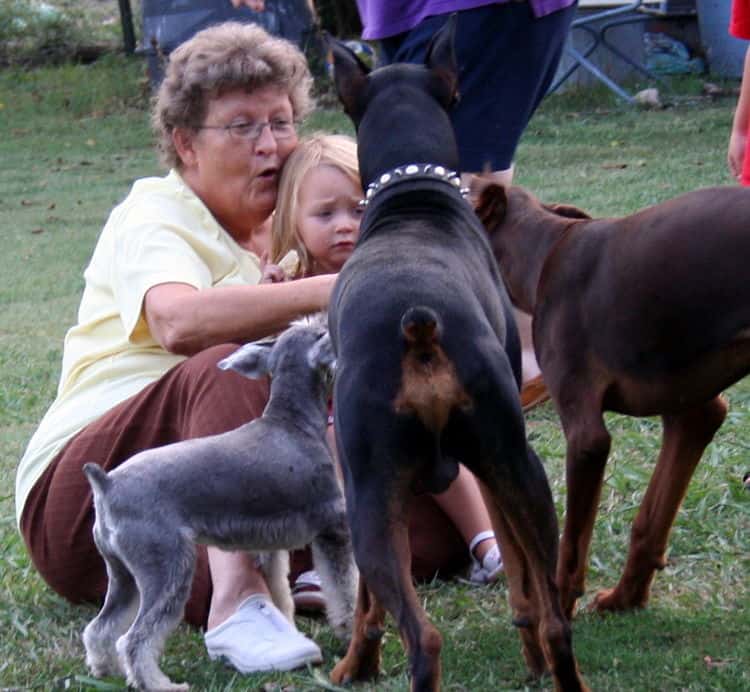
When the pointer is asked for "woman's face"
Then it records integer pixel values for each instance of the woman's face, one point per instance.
(235, 176)
(328, 216)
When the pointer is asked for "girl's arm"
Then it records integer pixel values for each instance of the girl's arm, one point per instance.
(740, 124)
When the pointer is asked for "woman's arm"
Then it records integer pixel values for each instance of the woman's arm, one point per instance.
(185, 320)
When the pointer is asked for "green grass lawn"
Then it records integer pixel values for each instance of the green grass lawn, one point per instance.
(74, 138)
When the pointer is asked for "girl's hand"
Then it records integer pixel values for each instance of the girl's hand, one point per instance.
(272, 273)
(736, 153)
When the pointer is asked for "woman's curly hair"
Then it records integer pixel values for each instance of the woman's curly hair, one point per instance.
(222, 58)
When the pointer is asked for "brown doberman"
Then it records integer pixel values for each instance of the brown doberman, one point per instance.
(428, 372)
(644, 315)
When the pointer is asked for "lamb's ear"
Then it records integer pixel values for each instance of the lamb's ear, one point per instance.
(321, 353)
(251, 360)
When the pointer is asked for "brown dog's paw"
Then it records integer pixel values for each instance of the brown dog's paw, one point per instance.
(613, 601)
(352, 669)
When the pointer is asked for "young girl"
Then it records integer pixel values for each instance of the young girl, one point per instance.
(315, 228)
(738, 156)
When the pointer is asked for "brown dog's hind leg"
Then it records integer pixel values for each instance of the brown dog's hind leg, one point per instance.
(684, 439)
(588, 444)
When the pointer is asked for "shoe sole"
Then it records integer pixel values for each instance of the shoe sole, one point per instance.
(292, 664)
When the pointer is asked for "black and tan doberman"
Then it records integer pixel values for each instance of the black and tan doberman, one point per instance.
(645, 315)
(428, 371)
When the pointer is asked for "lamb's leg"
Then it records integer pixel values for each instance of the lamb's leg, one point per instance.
(116, 615)
(334, 560)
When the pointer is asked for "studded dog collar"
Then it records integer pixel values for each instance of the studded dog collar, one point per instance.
(413, 171)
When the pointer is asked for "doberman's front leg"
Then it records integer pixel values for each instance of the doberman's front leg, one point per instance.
(521, 598)
(684, 440)
(381, 547)
(362, 660)
(588, 445)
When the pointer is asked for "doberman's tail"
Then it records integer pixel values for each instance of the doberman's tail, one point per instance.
(430, 388)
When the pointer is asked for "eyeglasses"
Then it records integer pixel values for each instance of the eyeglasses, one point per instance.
(251, 132)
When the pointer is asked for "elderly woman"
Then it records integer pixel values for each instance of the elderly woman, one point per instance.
(173, 285)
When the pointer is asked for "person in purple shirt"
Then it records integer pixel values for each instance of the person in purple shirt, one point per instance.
(507, 54)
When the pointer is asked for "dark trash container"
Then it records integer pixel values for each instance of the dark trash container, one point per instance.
(726, 54)
(167, 23)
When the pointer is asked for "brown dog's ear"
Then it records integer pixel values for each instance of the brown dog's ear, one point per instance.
(567, 211)
(350, 78)
(440, 58)
(492, 206)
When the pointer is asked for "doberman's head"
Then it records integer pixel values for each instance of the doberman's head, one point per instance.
(401, 111)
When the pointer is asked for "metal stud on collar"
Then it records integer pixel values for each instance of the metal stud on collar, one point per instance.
(413, 170)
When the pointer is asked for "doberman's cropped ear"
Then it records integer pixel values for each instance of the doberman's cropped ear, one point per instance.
(350, 78)
(567, 211)
(492, 206)
(321, 354)
(441, 60)
(251, 360)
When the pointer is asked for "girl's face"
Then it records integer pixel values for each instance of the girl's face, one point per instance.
(328, 217)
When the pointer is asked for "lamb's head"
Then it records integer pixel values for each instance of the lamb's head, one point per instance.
(304, 348)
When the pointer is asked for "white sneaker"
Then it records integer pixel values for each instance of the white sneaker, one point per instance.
(258, 637)
(489, 569)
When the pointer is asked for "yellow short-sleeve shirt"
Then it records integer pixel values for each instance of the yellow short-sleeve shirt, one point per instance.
(161, 233)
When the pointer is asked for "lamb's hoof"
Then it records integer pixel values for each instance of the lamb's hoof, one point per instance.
(165, 685)
(103, 666)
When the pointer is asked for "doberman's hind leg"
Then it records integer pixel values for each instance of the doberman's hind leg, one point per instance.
(684, 439)
(588, 444)
(381, 547)
(518, 497)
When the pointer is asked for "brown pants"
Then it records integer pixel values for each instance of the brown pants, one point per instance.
(193, 399)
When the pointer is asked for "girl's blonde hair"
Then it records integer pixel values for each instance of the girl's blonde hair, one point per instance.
(222, 58)
(339, 151)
